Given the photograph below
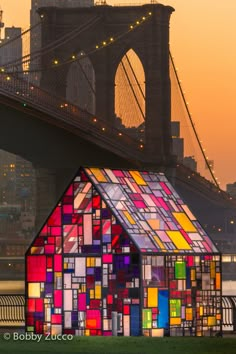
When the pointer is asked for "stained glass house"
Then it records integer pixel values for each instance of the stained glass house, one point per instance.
(122, 242)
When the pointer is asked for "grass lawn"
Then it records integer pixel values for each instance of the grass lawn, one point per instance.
(121, 345)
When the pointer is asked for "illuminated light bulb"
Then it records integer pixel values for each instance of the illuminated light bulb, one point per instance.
(97, 46)
(42, 16)
(104, 43)
(55, 62)
(73, 57)
(2, 70)
(8, 78)
(66, 104)
(137, 22)
(94, 120)
(131, 26)
(103, 129)
(111, 39)
(141, 146)
(144, 18)
(120, 134)
(231, 221)
(149, 13)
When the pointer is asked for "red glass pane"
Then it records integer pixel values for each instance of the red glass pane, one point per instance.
(36, 268)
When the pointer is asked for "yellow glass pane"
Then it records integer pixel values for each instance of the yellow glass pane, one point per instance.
(35, 250)
(98, 174)
(138, 178)
(91, 294)
(87, 332)
(189, 314)
(201, 310)
(175, 321)
(178, 240)
(157, 332)
(34, 289)
(193, 274)
(154, 223)
(213, 269)
(218, 281)
(158, 241)
(97, 292)
(211, 321)
(152, 297)
(90, 262)
(129, 217)
(184, 221)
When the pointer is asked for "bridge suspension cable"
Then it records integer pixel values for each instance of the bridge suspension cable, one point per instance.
(19, 36)
(69, 36)
(135, 77)
(132, 90)
(51, 46)
(191, 122)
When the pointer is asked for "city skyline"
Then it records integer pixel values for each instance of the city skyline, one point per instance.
(205, 59)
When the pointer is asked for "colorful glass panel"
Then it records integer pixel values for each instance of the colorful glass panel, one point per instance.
(134, 196)
(122, 241)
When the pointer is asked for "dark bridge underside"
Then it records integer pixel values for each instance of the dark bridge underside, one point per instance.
(30, 133)
(34, 136)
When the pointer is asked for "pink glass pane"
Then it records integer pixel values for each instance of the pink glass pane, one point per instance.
(57, 298)
(82, 302)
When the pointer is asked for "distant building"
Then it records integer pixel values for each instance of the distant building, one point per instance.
(177, 142)
(17, 181)
(190, 162)
(11, 52)
(35, 34)
(231, 189)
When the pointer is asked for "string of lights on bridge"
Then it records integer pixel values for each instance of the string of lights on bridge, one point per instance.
(73, 57)
(104, 43)
(97, 47)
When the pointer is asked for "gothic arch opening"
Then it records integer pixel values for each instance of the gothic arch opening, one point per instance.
(130, 91)
(80, 89)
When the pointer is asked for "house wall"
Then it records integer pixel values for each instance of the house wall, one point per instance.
(181, 294)
(81, 267)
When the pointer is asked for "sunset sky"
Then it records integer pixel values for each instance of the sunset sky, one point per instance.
(202, 41)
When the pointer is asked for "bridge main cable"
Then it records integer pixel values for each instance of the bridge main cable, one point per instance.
(191, 121)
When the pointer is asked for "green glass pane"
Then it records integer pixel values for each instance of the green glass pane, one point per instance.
(180, 270)
(147, 318)
(175, 307)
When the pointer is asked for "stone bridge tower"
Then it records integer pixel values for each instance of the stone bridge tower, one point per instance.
(144, 29)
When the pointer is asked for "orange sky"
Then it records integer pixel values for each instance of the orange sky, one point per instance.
(203, 45)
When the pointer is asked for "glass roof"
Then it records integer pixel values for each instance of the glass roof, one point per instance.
(151, 211)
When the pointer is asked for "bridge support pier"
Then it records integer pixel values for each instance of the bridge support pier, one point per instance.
(50, 183)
